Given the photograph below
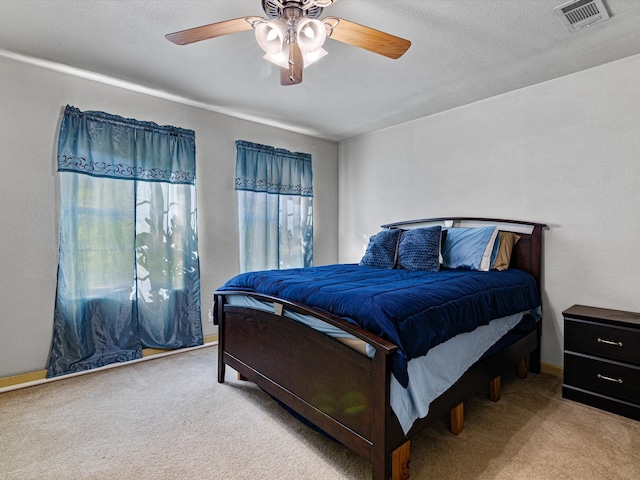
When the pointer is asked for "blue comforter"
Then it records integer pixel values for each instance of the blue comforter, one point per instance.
(414, 310)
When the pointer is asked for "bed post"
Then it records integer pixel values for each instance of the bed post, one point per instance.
(381, 454)
(218, 301)
(536, 255)
(536, 270)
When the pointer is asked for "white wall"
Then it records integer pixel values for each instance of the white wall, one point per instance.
(565, 153)
(33, 100)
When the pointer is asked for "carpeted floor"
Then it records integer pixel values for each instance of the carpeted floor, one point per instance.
(170, 419)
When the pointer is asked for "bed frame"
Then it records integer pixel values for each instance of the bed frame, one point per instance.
(345, 393)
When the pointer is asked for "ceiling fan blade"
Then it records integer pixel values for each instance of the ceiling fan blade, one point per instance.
(292, 75)
(368, 38)
(205, 32)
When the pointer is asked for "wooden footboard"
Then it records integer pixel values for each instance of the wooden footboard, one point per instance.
(334, 387)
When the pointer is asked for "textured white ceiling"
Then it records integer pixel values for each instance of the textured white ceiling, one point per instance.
(462, 51)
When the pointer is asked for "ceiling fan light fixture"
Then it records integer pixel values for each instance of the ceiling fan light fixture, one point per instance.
(311, 34)
(310, 58)
(281, 58)
(271, 36)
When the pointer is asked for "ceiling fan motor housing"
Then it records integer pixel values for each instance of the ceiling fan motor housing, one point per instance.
(275, 8)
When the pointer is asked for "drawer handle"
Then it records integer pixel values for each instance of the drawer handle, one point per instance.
(609, 379)
(609, 342)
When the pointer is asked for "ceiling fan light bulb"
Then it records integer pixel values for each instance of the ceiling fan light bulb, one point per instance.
(308, 31)
(270, 36)
(311, 34)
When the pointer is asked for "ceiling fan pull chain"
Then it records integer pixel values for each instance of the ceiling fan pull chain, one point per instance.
(291, 65)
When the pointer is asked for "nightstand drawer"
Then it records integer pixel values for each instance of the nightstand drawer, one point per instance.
(607, 341)
(602, 376)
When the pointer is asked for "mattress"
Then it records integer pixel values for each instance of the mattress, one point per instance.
(415, 310)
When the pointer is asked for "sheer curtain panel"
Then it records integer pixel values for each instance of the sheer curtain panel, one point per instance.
(275, 207)
(128, 271)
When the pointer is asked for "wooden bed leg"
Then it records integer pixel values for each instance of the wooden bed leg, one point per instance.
(241, 377)
(400, 462)
(522, 368)
(457, 419)
(494, 389)
(221, 372)
(534, 357)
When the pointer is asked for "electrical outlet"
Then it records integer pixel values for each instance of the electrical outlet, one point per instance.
(210, 316)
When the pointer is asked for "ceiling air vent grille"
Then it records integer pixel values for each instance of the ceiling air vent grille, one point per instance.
(579, 14)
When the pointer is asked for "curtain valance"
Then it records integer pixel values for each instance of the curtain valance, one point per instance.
(104, 145)
(261, 168)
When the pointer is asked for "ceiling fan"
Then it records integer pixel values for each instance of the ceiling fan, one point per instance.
(292, 36)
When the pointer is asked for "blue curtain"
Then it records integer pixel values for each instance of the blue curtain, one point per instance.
(275, 207)
(128, 271)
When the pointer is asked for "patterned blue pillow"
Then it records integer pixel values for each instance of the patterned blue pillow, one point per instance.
(381, 251)
(419, 249)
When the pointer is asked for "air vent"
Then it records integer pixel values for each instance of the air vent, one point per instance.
(579, 14)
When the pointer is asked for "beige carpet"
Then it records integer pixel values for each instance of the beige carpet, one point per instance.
(169, 419)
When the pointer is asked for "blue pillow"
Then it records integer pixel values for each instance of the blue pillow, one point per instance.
(470, 248)
(381, 251)
(419, 249)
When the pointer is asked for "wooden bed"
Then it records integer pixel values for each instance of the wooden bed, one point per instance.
(317, 377)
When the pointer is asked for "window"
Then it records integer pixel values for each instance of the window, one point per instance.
(275, 207)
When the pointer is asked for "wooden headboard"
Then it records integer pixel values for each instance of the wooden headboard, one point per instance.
(527, 253)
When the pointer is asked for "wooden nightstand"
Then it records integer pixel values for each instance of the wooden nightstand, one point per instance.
(602, 359)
